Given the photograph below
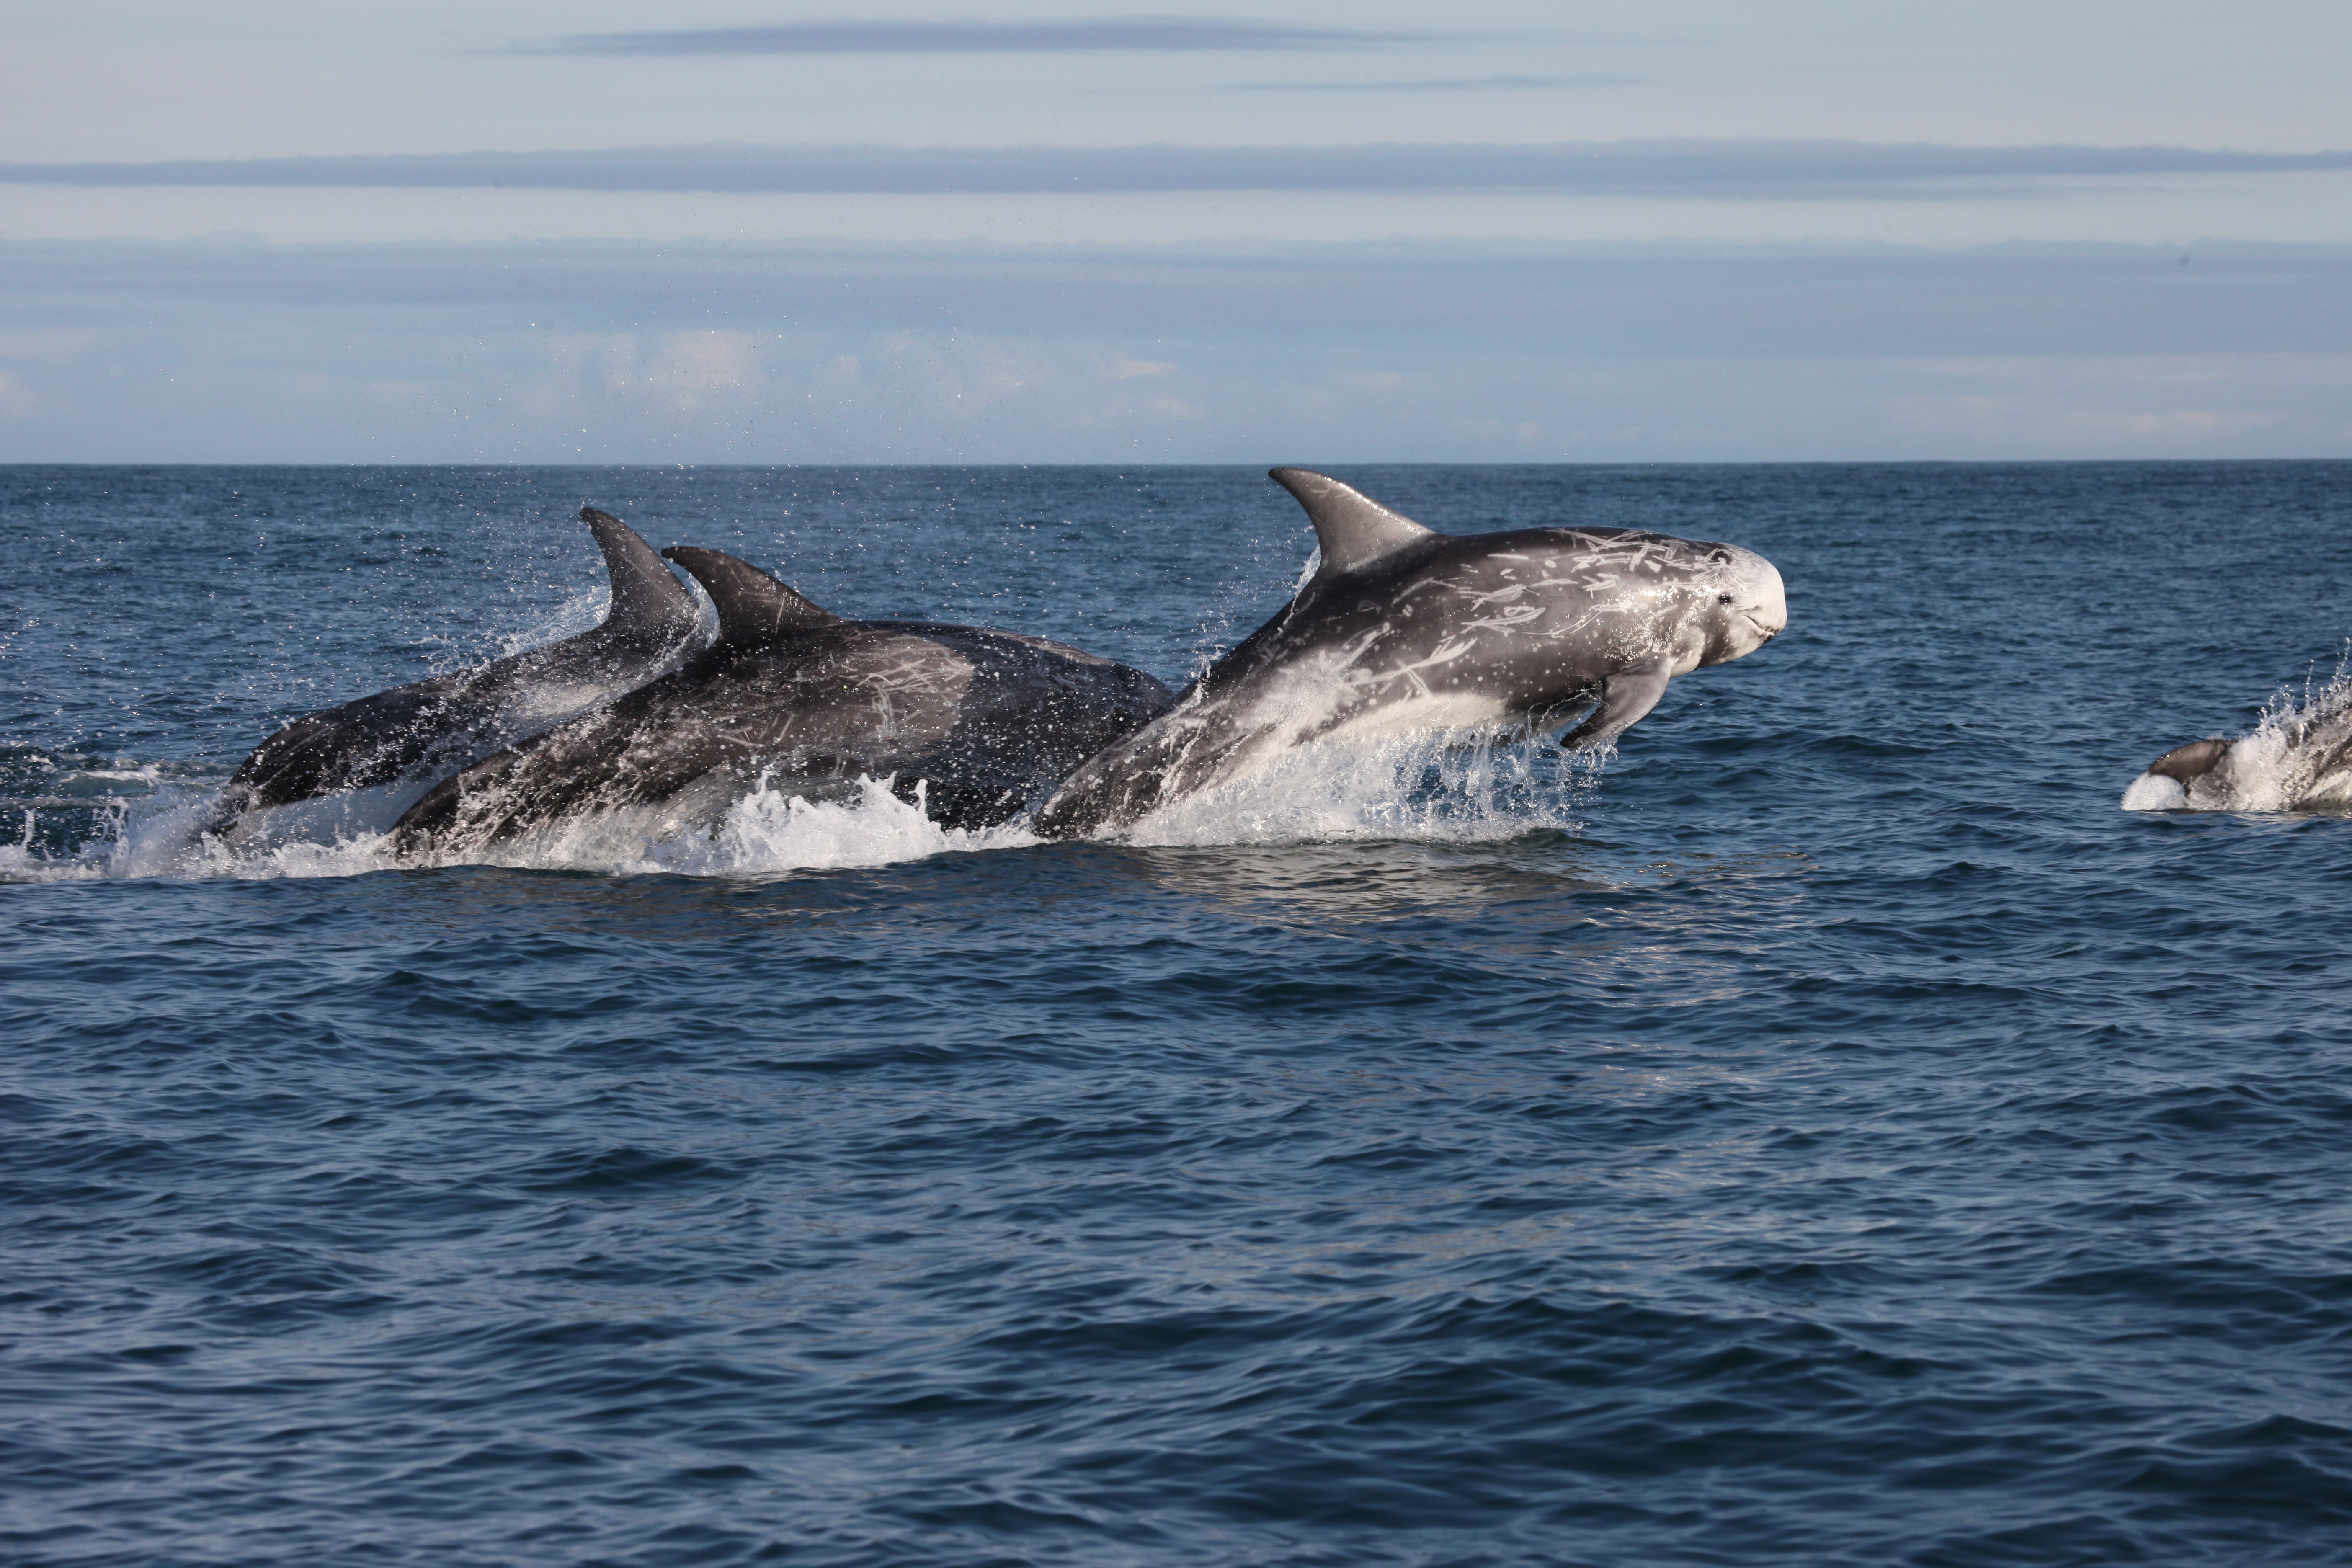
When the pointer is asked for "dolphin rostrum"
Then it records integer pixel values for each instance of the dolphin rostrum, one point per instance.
(1402, 630)
(415, 735)
(974, 723)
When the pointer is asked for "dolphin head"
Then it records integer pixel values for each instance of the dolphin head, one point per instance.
(1742, 606)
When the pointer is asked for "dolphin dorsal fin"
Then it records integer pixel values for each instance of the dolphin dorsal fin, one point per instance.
(1354, 530)
(752, 606)
(648, 601)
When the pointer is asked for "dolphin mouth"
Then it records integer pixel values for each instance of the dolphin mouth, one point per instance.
(1763, 625)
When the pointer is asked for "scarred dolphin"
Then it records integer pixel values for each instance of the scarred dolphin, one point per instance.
(401, 742)
(1404, 629)
(975, 723)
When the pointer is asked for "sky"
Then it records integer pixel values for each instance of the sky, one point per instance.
(1684, 230)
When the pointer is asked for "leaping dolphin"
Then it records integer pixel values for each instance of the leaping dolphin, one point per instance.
(413, 736)
(1402, 630)
(976, 723)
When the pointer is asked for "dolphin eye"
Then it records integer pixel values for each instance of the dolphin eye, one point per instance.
(1723, 598)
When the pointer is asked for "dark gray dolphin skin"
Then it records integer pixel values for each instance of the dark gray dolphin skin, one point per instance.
(982, 721)
(417, 733)
(1402, 630)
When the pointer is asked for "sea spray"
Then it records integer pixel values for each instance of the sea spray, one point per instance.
(770, 830)
(1450, 787)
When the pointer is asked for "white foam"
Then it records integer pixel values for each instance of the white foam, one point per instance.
(1445, 786)
(23, 863)
(2150, 793)
(770, 831)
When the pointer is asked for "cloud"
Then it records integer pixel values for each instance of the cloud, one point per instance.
(692, 365)
(685, 370)
(50, 344)
(874, 352)
(1607, 300)
(1733, 168)
(850, 37)
(1455, 84)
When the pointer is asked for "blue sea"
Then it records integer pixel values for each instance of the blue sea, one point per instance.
(1829, 1132)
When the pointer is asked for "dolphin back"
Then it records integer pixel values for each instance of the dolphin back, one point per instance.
(441, 723)
(975, 723)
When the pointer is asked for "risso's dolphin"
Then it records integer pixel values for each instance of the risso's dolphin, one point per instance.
(398, 744)
(2296, 759)
(1404, 629)
(974, 724)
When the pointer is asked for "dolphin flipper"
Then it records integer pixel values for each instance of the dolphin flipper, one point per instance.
(752, 606)
(1353, 529)
(1625, 697)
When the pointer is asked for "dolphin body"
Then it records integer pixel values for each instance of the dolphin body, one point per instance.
(373, 758)
(2295, 760)
(971, 723)
(1402, 630)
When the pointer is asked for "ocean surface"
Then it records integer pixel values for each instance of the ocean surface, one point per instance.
(1830, 1132)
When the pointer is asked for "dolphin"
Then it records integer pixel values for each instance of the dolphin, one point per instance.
(1402, 630)
(404, 740)
(972, 724)
(2296, 759)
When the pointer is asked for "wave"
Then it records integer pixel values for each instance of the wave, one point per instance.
(1449, 788)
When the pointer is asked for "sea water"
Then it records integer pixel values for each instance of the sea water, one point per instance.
(1828, 1131)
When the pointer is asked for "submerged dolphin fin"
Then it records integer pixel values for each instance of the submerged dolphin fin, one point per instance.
(1625, 696)
(1354, 530)
(648, 601)
(752, 606)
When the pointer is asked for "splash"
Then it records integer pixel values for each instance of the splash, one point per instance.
(77, 816)
(2298, 757)
(2149, 792)
(163, 836)
(1441, 787)
(768, 832)
(1446, 785)
(583, 612)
